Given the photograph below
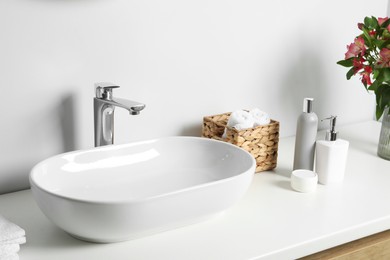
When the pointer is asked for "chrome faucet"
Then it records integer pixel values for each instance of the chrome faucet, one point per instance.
(104, 105)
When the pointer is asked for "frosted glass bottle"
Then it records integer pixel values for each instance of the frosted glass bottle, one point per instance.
(305, 140)
(331, 156)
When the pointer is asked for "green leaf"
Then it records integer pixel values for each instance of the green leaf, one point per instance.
(385, 44)
(375, 73)
(379, 112)
(378, 43)
(382, 94)
(379, 109)
(371, 22)
(378, 93)
(366, 36)
(350, 73)
(385, 99)
(346, 63)
(375, 23)
(386, 74)
(378, 75)
(367, 21)
(374, 86)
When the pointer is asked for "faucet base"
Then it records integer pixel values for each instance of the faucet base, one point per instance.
(103, 123)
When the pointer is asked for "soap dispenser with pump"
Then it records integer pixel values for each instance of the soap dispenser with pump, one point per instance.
(331, 156)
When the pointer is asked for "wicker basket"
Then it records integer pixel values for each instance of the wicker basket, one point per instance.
(261, 141)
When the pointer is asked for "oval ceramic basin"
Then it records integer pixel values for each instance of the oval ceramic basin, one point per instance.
(120, 192)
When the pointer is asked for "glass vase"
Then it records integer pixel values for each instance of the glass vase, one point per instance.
(384, 138)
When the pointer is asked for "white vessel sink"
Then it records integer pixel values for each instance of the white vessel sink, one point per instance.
(120, 192)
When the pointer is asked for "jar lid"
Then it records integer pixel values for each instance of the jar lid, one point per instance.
(304, 180)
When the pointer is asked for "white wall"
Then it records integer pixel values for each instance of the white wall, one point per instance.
(184, 59)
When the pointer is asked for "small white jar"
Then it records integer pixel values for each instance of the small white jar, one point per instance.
(304, 180)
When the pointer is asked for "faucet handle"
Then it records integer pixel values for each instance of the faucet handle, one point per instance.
(104, 89)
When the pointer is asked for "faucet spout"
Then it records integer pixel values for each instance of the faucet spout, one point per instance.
(133, 107)
(104, 108)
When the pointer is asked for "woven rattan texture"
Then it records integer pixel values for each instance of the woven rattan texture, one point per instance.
(261, 141)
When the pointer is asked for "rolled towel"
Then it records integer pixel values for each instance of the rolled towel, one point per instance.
(259, 117)
(239, 120)
(19, 240)
(10, 233)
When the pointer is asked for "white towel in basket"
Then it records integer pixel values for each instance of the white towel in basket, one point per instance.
(11, 236)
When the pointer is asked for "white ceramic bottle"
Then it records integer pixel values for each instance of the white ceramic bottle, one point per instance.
(305, 140)
(331, 156)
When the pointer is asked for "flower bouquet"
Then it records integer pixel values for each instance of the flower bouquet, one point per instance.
(369, 57)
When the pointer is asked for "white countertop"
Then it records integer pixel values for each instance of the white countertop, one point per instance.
(271, 222)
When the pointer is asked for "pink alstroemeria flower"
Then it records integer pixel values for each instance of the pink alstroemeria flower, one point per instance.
(358, 64)
(382, 20)
(366, 75)
(384, 60)
(355, 48)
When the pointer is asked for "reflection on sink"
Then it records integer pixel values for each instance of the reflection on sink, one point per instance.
(120, 192)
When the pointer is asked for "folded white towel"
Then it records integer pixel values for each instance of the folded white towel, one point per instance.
(10, 257)
(260, 117)
(7, 250)
(11, 236)
(10, 231)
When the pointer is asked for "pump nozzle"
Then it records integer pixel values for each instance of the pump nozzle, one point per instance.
(331, 134)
